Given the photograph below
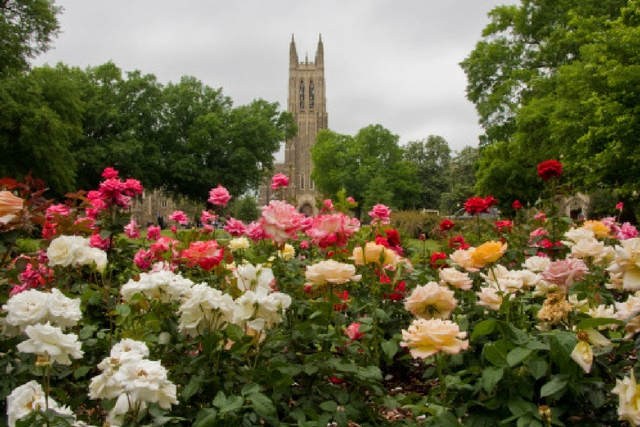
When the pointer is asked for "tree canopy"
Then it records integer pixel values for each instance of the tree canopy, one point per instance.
(432, 158)
(369, 166)
(558, 80)
(27, 28)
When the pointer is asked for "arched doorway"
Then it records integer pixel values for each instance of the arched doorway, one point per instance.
(306, 209)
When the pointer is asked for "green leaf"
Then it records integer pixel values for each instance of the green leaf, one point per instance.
(491, 375)
(262, 404)
(561, 346)
(206, 418)
(496, 354)
(594, 322)
(81, 371)
(554, 386)
(483, 328)
(519, 407)
(123, 310)
(329, 406)
(87, 331)
(250, 389)
(513, 334)
(390, 348)
(538, 368)
(191, 388)
(517, 355)
(447, 419)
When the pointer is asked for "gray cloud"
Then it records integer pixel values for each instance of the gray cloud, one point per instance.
(388, 63)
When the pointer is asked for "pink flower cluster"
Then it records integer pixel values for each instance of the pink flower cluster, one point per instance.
(281, 221)
(112, 191)
(332, 230)
(279, 181)
(621, 232)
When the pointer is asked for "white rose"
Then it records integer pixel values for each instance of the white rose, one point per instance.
(64, 312)
(64, 249)
(47, 340)
(26, 308)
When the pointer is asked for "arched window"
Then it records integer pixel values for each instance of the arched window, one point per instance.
(311, 94)
(301, 94)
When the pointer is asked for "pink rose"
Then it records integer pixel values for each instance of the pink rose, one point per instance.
(279, 181)
(180, 217)
(206, 254)
(565, 272)
(255, 232)
(235, 227)
(219, 196)
(153, 232)
(332, 230)
(280, 221)
(380, 214)
(95, 241)
(109, 173)
(131, 230)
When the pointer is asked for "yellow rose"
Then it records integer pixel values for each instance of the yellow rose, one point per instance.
(10, 207)
(374, 254)
(488, 252)
(287, 253)
(426, 337)
(628, 408)
(598, 228)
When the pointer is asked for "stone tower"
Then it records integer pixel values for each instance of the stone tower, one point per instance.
(308, 103)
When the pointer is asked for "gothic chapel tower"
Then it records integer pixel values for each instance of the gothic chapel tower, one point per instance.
(308, 104)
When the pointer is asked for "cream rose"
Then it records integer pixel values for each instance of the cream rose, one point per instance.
(431, 301)
(456, 278)
(331, 271)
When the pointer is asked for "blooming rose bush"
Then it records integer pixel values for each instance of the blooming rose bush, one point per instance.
(317, 321)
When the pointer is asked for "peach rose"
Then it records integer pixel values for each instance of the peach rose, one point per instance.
(10, 207)
(426, 337)
(431, 301)
(488, 252)
(490, 297)
(331, 272)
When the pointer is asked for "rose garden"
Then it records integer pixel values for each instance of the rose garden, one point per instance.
(314, 321)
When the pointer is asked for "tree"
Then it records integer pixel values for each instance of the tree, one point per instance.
(522, 47)
(207, 142)
(40, 119)
(26, 30)
(463, 168)
(122, 119)
(566, 72)
(369, 166)
(432, 158)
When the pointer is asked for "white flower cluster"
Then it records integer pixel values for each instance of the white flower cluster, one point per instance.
(72, 250)
(203, 308)
(135, 381)
(162, 284)
(30, 397)
(32, 307)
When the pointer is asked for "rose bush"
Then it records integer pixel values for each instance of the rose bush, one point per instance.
(315, 321)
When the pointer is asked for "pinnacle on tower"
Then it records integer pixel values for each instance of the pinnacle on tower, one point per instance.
(293, 54)
(320, 53)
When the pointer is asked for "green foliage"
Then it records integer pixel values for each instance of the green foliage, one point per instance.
(27, 28)
(246, 209)
(432, 158)
(369, 166)
(415, 223)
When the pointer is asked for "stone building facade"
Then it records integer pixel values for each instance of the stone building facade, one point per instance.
(307, 102)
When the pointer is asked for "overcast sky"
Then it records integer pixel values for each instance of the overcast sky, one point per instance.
(393, 63)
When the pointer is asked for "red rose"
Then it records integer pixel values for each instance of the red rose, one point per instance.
(549, 169)
(476, 205)
(490, 201)
(446, 224)
(516, 205)
(438, 260)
